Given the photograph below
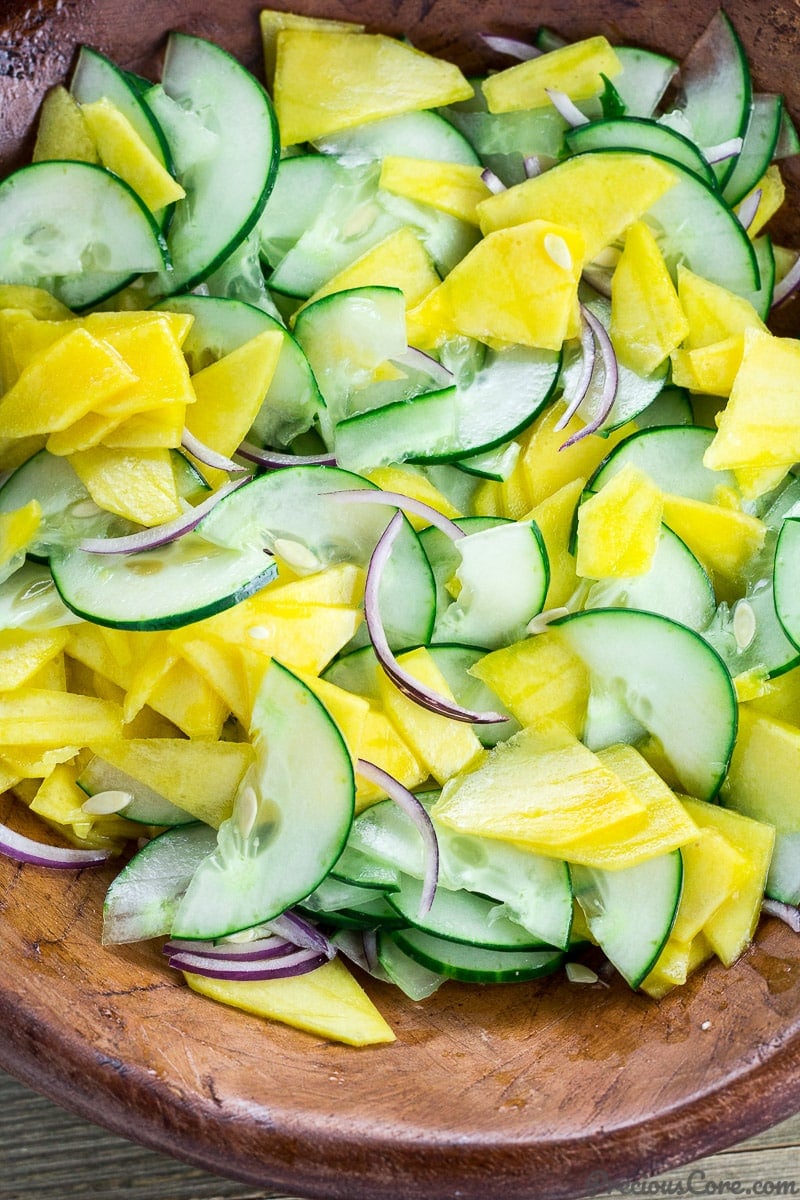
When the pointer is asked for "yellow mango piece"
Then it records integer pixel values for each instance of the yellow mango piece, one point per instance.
(753, 482)
(760, 425)
(326, 81)
(539, 681)
(272, 22)
(23, 653)
(149, 429)
(152, 349)
(62, 132)
(87, 431)
(548, 469)
(189, 701)
(765, 766)
(647, 321)
(123, 151)
(341, 584)
(32, 762)
(619, 527)
(712, 871)
(77, 374)
(713, 312)
(230, 392)
(326, 1002)
(666, 826)
(382, 745)
(9, 777)
(59, 801)
(488, 499)
(780, 698)
(710, 369)
(152, 657)
(29, 337)
(773, 194)
(675, 964)
(730, 929)
(201, 777)
(515, 498)
(399, 261)
(541, 789)
(36, 717)
(599, 195)
(410, 482)
(107, 651)
(576, 69)
(443, 746)
(35, 300)
(139, 486)
(517, 285)
(18, 529)
(454, 188)
(348, 710)
(554, 516)
(220, 665)
(724, 539)
(52, 675)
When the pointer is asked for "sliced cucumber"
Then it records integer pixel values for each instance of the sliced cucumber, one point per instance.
(787, 578)
(291, 816)
(29, 600)
(354, 867)
(473, 964)
(302, 187)
(783, 880)
(146, 805)
(644, 79)
(420, 428)
(76, 230)
(670, 681)
(460, 916)
(68, 512)
(673, 458)
(758, 150)
(414, 980)
(411, 135)
(761, 299)
(629, 133)
(143, 899)
(442, 553)
(630, 912)
(671, 406)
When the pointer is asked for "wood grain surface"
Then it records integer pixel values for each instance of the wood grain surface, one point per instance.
(543, 1089)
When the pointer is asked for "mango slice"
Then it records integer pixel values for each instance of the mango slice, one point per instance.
(123, 151)
(455, 188)
(647, 321)
(539, 681)
(62, 131)
(619, 527)
(230, 392)
(576, 70)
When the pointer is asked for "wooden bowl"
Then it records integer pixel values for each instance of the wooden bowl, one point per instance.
(544, 1090)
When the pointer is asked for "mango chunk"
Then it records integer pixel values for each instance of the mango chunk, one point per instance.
(123, 151)
(647, 321)
(443, 746)
(773, 192)
(779, 698)
(23, 653)
(760, 425)
(327, 1002)
(398, 261)
(599, 195)
(147, 430)
(220, 665)
(713, 312)
(151, 348)
(709, 369)
(724, 539)
(328, 80)
(272, 22)
(454, 188)
(619, 527)
(538, 680)
(230, 392)
(517, 285)
(575, 69)
(139, 486)
(554, 516)
(18, 529)
(712, 871)
(382, 745)
(541, 789)
(765, 766)
(62, 132)
(546, 468)
(515, 498)
(38, 717)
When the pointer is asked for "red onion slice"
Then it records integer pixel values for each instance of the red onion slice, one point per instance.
(749, 207)
(161, 535)
(273, 460)
(588, 350)
(411, 806)
(566, 108)
(788, 285)
(205, 454)
(532, 165)
(610, 384)
(513, 47)
(300, 962)
(403, 681)
(37, 854)
(399, 500)
(302, 933)
(493, 182)
(715, 154)
(255, 951)
(784, 912)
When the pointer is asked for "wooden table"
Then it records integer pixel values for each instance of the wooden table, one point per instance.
(48, 1154)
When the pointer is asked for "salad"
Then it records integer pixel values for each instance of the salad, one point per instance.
(399, 533)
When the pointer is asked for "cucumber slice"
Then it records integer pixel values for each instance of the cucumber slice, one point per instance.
(147, 806)
(29, 600)
(354, 867)
(630, 912)
(758, 149)
(632, 133)
(644, 79)
(76, 230)
(333, 895)
(142, 901)
(442, 553)
(68, 512)
(496, 464)
(460, 916)
(761, 299)
(474, 964)
(783, 880)
(268, 859)
(302, 187)
(225, 191)
(670, 681)
(786, 580)
(671, 406)
(414, 980)
(411, 135)
(673, 458)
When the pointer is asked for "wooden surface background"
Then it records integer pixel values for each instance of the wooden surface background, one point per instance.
(49, 1154)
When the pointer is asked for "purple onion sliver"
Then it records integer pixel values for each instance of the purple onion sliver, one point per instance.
(493, 182)
(161, 535)
(273, 460)
(532, 165)
(204, 454)
(513, 47)
(749, 207)
(588, 350)
(784, 912)
(286, 967)
(255, 951)
(401, 501)
(301, 933)
(566, 108)
(610, 384)
(788, 285)
(406, 683)
(410, 805)
(719, 153)
(38, 854)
